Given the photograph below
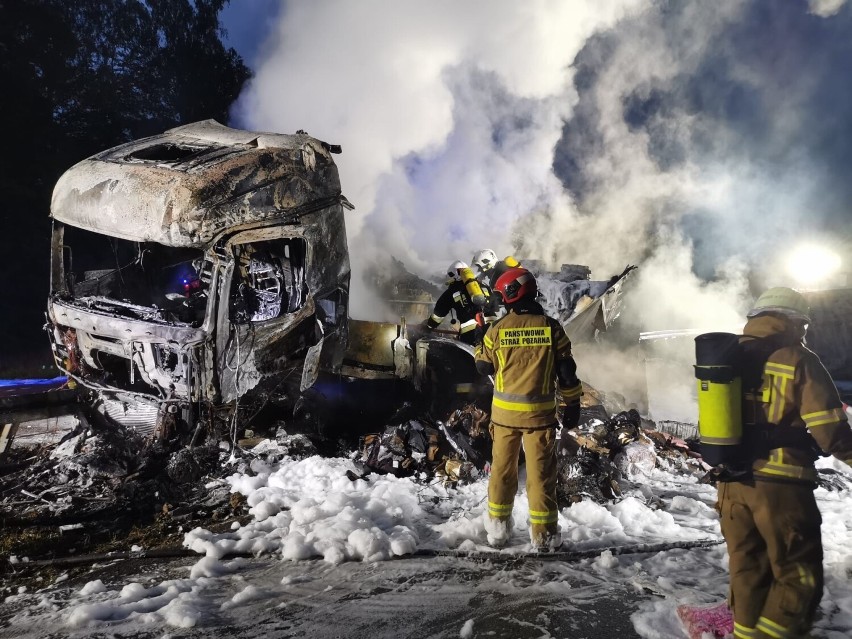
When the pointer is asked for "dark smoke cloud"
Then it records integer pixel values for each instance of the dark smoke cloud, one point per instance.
(756, 103)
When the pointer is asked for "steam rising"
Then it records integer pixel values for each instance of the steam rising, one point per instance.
(672, 135)
(447, 112)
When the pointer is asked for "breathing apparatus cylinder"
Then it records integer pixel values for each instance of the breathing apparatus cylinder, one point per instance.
(720, 421)
(472, 286)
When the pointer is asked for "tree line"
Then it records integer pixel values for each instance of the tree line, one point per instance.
(79, 77)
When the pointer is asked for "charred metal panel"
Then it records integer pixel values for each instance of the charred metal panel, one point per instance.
(136, 415)
(371, 343)
(255, 353)
(266, 356)
(584, 307)
(101, 317)
(190, 184)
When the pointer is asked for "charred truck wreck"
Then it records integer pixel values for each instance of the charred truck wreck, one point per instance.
(196, 268)
(200, 279)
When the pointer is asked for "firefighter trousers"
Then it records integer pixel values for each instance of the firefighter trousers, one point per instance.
(772, 530)
(540, 452)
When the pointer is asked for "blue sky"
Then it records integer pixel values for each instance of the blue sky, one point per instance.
(248, 23)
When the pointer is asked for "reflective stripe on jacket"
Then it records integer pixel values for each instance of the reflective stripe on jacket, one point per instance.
(523, 349)
(797, 392)
(456, 298)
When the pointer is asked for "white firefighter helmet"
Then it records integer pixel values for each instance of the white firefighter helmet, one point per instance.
(783, 300)
(484, 260)
(455, 269)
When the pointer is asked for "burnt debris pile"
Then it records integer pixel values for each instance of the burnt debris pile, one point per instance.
(604, 453)
(105, 488)
(458, 450)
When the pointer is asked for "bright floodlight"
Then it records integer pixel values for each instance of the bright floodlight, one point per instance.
(812, 264)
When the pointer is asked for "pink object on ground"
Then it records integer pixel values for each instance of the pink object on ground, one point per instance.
(715, 619)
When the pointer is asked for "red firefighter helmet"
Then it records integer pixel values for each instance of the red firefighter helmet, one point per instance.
(515, 285)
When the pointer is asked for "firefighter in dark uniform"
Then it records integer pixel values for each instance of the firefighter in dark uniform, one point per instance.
(488, 268)
(527, 353)
(769, 516)
(470, 304)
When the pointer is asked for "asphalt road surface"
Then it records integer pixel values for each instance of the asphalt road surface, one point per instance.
(414, 598)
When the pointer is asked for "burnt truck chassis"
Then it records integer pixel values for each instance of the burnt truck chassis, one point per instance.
(231, 269)
(200, 279)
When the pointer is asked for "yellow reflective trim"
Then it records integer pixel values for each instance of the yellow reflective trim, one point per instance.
(547, 384)
(488, 342)
(523, 398)
(806, 578)
(823, 417)
(550, 519)
(772, 624)
(523, 407)
(541, 513)
(781, 370)
(436, 318)
(745, 632)
(782, 397)
(823, 422)
(545, 515)
(463, 388)
(784, 470)
(501, 364)
(467, 326)
(769, 627)
(819, 413)
(777, 402)
(571, 393)
(500, 508)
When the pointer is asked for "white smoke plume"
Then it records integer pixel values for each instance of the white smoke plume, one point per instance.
(450, 115)
(825, 8)
(447, 113)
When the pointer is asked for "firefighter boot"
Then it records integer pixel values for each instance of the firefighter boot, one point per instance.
(498, 531)
(546, 542)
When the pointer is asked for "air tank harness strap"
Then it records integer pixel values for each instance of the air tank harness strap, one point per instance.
(762, 438)
(715, 374)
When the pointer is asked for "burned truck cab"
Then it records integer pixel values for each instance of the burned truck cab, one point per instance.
(195, 271)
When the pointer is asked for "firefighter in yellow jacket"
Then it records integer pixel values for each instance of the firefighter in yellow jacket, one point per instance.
(769, 517)
(527, 352)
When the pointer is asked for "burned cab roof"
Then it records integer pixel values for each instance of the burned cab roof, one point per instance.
(184, 187)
